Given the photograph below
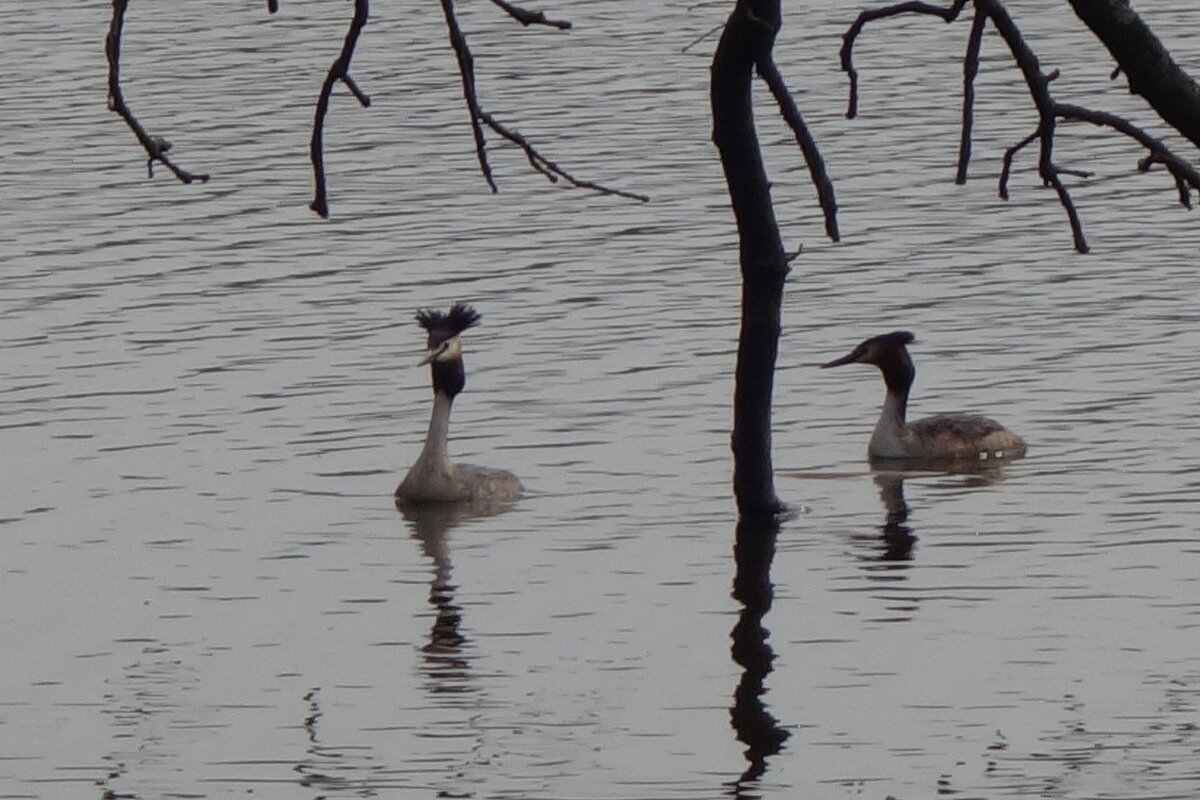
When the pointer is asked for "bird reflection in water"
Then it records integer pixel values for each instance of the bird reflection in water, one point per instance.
(897, 534)
(444, 662)
(898, 538)
(754, 725)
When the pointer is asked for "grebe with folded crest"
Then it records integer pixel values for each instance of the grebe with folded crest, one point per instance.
(942, 437)
(433, 478)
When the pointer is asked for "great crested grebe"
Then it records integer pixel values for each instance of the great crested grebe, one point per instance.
(944, 437)
(432, 478)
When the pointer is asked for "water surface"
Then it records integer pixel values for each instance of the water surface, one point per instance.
(209, 395)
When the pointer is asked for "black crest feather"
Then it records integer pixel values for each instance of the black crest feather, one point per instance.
(895, 337)
(442, 326)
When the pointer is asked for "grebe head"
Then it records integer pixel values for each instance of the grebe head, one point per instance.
(888, 352)
(445, 347)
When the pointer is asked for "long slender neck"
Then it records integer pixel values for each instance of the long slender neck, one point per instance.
(435, 452)
(894, 409)
(448, 379)
(887, 441)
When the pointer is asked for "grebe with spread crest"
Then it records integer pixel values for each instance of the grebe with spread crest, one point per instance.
(432, 477)
(942, 437)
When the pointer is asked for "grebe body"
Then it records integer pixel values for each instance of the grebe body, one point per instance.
(433, 478)
(941, 437)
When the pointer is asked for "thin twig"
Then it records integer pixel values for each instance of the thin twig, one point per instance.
(1077, 173)
(1006, 169)
(1185, 191)
(339, 70)
(479, 118)
(156, 146)
(808, 146)
(702, 37)
(1050, 175)
(530, 17)
(548, 168)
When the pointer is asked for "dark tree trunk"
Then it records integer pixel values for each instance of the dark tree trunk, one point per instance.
(1151, 71)
(750, 34)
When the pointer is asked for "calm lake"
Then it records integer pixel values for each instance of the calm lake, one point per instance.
(209, 395)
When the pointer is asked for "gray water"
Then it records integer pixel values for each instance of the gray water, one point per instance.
(209, 395)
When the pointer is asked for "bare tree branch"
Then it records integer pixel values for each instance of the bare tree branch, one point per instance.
(156, 146)
(1151, 71)
(548, 168)
(1186, 176)
(1009, 154)
(466, 70)
(702, 37)
(481, 118)
(339, 70)
(528, 18)
(970, 71)
(1049, 110)
(1038, 84)
(808, 146)
(912, 7)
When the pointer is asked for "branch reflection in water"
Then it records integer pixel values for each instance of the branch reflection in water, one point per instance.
(332, 768)
(754, 548)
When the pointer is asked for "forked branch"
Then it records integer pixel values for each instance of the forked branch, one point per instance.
(1187, 177)
(338, 71)
(156, 146)
(481, 118)
(1050, 111)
